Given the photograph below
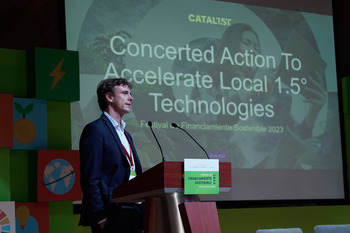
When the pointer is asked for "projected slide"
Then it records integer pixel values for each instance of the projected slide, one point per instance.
(255, 86)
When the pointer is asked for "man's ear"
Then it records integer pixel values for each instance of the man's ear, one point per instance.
(108, 97)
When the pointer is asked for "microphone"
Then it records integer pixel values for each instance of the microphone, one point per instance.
(161, 151)
(176, 126)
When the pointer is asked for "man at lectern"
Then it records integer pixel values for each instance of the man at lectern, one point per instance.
(108, 158)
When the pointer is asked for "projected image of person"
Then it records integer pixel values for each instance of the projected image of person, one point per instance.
(258, 105)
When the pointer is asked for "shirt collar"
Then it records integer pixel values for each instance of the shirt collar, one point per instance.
(115, 124)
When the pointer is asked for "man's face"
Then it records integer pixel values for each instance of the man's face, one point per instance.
(121, 101)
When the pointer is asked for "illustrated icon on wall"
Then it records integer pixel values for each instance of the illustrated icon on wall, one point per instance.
(24, 129)
(7, 217)
(24, 221)
(58, 177)
(57, 74)
(29, 124)
(54, 74)
(5, 225)
(32, 217)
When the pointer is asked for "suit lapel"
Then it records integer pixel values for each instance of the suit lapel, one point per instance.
(120, 145)
(115, 135)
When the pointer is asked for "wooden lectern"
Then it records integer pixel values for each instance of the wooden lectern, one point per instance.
(161, 188)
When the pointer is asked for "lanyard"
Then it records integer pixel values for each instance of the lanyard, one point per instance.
(129, 156)
(131, 162)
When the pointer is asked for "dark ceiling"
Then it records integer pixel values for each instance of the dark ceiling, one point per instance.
(341, 9)
(26, 24)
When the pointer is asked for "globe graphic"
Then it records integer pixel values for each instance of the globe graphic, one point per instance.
(59, 176)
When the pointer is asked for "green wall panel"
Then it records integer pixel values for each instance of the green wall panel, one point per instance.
(19, 175)
(59, 126)
(53, 74)
(61, 217)
(80, 229)
(13, 72)
(5, 187)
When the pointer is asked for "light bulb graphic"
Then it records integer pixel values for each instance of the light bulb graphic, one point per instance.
(22, 215)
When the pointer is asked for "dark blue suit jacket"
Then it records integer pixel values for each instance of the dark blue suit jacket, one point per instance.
(103, 167)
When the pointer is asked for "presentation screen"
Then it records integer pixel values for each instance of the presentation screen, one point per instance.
(254, 85)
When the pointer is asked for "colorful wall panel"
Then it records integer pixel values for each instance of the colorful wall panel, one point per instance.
(58, 175)
(7, 217)
(6, 117)
(32, 217)
(24, 75)
(30, 124)
(53, 74)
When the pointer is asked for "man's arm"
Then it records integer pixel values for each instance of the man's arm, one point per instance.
(91, 150)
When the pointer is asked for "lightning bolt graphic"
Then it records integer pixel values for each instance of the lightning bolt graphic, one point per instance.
(57, 74)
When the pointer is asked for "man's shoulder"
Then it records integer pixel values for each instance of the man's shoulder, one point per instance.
(100, 120)
(98, 123)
